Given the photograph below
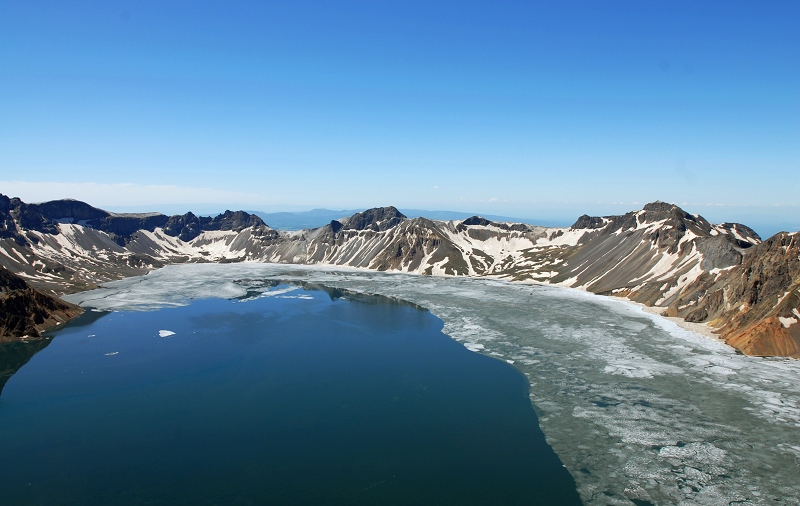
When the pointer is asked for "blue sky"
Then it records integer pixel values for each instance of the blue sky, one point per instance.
(531, 109)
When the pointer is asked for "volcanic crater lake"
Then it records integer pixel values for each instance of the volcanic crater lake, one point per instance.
(297, 395)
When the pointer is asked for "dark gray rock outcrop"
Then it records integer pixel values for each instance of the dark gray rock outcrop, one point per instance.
(121, 227)
(69, 209)
(26, 312)
(377, 219)
(743, 235)
(480, 221)
(185, 227)
(28, 217)
(476, 220)
(8, 227)
(189, 226)
(719, 252)
(44, 217)
(586, 221)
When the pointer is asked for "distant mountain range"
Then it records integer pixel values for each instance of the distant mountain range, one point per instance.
(661, 256)
(319, 217)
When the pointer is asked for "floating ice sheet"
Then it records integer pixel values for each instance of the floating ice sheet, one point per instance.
(636, 407)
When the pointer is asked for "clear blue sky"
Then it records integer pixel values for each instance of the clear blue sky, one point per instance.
(527, 109)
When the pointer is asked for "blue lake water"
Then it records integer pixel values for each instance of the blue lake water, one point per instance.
(307, 398)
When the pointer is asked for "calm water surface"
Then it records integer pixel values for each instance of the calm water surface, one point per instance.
(300, 398)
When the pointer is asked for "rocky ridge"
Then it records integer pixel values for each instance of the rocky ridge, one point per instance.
(660, 256)
(756, 304)
(26, 312)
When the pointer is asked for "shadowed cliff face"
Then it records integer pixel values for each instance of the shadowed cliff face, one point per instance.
(660, 256)
(25, 312)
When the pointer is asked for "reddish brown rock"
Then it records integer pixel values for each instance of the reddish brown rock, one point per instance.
(747, 304)
(768, 337)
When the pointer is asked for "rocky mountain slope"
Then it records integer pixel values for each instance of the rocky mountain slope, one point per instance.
(25, 312)
(660, 255)
(756, 303)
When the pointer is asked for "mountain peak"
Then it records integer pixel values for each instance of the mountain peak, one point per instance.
(659, 206)
(377, 219)
(586, 221)
(476, 220)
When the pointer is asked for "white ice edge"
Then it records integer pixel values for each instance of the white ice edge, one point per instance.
(228, 289)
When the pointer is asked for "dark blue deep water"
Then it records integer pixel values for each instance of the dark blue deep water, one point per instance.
(321, 400)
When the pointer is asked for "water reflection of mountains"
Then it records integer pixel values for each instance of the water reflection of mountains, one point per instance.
(256, 287)
(15, 355)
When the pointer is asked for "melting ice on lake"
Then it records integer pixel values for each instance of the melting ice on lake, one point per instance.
(637, 408)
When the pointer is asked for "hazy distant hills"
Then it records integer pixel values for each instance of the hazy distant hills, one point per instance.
(662, 256)
(320, 217)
